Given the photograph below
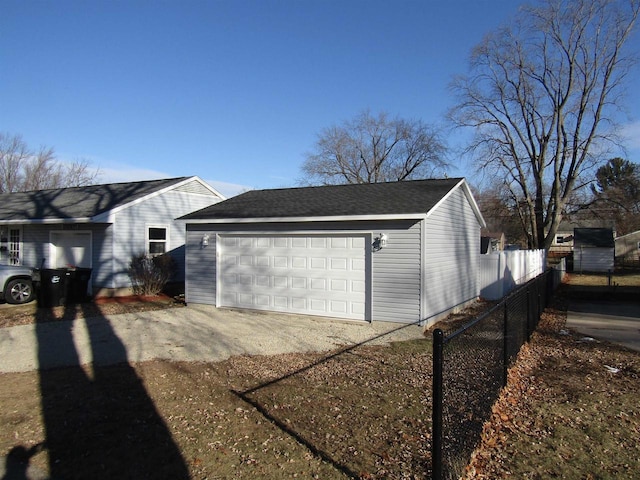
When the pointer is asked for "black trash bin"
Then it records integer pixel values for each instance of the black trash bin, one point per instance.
(78, 284)
(53, 287)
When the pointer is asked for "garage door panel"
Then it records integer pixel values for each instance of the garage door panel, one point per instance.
(319, 263)
(320, 275)
(339, 285)
(299, 282)
(299, 262)
(318, 283)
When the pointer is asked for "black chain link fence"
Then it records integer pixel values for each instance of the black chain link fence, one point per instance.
(470, 368)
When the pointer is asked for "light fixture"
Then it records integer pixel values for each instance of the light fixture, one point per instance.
(379, 242)
(205, 240)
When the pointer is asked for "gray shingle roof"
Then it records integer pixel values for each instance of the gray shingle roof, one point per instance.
(394, 198)
(593, 237)
(76, 202)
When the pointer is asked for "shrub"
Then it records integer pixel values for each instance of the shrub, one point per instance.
(150, 274)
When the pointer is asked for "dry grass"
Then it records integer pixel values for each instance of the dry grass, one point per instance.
(363, 412)
(357, 413)
(618, 278)
(570, 409)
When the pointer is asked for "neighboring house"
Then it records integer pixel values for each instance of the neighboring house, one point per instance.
(628, 246)
(593, 250)
(492, 241)
(400, 252)
(562, 244)
(100, 226)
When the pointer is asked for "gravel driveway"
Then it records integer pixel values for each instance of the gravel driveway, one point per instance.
(194, 333)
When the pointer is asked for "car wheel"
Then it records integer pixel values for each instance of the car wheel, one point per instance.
(18, 291)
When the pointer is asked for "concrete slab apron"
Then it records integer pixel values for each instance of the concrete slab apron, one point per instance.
(194, 333)
(613, 321)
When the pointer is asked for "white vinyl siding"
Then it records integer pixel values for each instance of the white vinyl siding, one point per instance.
(131, 229)
(451, 255)
(396, 274)
(593, 259)
(393, 291)
(201, 267)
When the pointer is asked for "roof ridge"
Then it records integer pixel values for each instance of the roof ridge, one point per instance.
(176, 179)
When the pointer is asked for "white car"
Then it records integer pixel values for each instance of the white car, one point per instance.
(16, 284)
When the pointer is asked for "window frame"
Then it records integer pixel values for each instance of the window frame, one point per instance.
(149, 240)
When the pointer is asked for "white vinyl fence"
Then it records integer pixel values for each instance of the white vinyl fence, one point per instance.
(501, 272)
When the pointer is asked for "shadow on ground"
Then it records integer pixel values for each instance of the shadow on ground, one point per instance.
(84, 409)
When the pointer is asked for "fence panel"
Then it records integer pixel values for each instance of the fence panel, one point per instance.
(502, 272)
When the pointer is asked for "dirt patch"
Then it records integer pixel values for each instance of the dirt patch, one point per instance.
(362, 412)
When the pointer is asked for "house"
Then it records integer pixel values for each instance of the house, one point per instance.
(100, 226)
(400, 252)
(492, 241)
(593, 250)
(628, 247)
(562, 244)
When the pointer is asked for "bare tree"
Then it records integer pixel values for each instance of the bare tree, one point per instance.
(13, 155)
(372, 149)
(23, 169)
(540, 97)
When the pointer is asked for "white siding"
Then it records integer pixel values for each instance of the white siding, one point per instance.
(200, 283)
(130, 229)
(37, 240)
(451, 252)
(396, 274)
(593, 259)
(393, 292)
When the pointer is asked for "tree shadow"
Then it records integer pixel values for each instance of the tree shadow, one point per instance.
(251, 396)
(98, 418)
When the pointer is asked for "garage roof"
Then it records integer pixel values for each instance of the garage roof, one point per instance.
(413, 198)
(593, 237)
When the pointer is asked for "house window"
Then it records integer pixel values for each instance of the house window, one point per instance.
(157, 240)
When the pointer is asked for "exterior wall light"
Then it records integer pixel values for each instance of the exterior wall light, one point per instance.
(379, 242)
(205, 240)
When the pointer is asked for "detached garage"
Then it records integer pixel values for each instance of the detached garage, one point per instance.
(403, 252)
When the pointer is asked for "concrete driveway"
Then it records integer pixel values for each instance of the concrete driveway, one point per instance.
(616, 321)
(194, 333)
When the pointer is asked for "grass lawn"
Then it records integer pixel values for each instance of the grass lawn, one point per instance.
(362, 413)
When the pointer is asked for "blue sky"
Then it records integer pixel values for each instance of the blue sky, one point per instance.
(232, 91)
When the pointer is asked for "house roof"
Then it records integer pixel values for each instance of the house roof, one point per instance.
(76, 203)
(413, 198)
(593, 237)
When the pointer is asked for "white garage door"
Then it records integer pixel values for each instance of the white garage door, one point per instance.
(316, 274)
(70, 249)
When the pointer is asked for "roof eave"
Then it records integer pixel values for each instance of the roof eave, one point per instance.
(472, 201)
(339, 218)
(46, 221)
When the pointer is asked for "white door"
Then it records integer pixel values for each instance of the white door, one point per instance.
(312, 274)
(70, 249)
